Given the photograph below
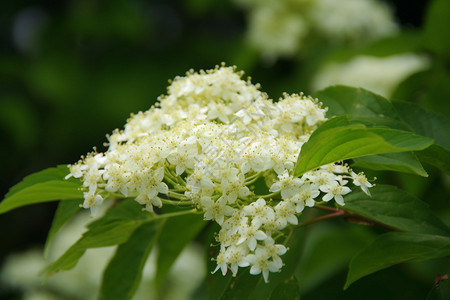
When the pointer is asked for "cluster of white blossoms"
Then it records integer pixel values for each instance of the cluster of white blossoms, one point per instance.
(279, 27)
(219, 144)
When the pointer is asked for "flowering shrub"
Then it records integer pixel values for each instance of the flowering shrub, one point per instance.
(205, 144)
(217, 146)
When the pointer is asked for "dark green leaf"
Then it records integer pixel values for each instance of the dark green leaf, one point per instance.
(339, 139)
(425, 123)
(66, 210)
(113, 229)
(360, 104)
(43, 186)
(291, 260)
(405, 162)
(395, 208)
(287, 289)
(123, 273)
(436, 33)
(394, 248)
(178, 232)
(435, 292)
(327, 250)
(241, 286)
(437, 156)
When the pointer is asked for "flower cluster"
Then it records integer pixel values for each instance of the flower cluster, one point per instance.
(279, 28)
(218, 143)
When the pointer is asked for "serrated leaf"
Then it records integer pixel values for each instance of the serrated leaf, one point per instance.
(394, 207)
(287, 289)
(339, 139)
(113, 229)
(66, 210)
(394, 248)
(44, 186)
(405, 162)
(178, 232)
(123, 274)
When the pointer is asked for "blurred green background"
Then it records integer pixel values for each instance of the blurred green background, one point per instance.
(73, 71)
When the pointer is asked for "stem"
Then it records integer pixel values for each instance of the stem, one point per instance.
(337, 214)
(326, 208)
(178, 203)
(267, 196)
(177, 196)
(174, 214)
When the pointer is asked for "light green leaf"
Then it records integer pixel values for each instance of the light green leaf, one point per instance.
(113, 229)
(394, 207)
(44, 186)
(123, 273)
(178, 232)
(287, 289)
(394, 248)
(66, 210)
(339, 139)
(405, 162)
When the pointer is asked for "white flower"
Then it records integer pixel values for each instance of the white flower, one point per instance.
(285, 213)
(336, 191)
(216, 210)
(251, 234)
(260, 212)
(361, 180)
(287, 184)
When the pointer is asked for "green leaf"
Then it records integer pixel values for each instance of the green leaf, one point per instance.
(394, 207)
(437, 156)
(394, 248)
(436, 33)
(44, 186)
(431, 125)
(178, 232)
(253, 287)
(425, 123)
(66, 210)
(339, 139)
(291, 260)
(435, 293)
(327, 250)
(287, 289)
(362, 105)
(241, 286)
(123, 273)
(405, 162)
(113, 229)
